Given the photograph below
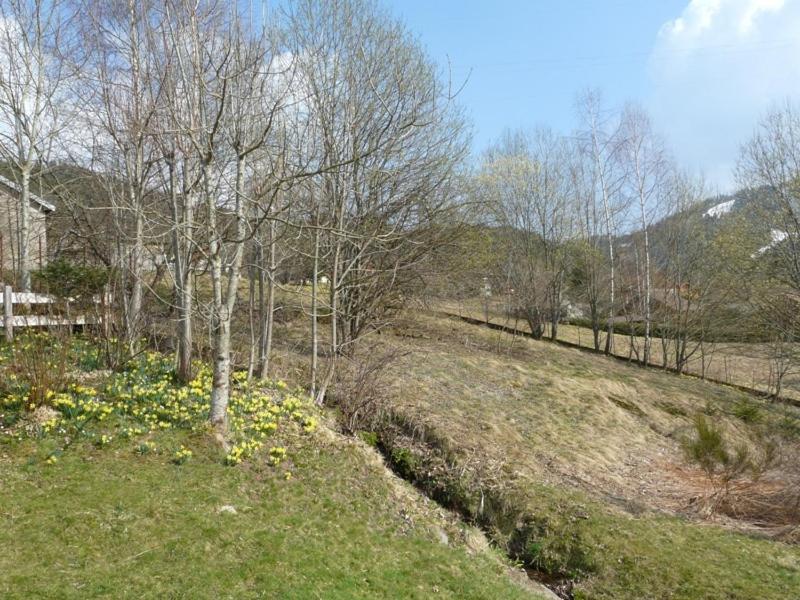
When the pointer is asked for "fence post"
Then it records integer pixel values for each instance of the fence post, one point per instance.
(106, 309)
(8, 313)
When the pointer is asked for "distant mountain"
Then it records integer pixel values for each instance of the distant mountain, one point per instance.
(756, 209)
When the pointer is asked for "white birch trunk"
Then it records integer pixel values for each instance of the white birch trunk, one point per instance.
(24, 231)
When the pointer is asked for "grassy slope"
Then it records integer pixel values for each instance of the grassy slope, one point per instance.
(109, 523)
(739, 364)
(564, 433)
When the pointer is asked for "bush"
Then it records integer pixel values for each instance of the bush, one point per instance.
(37, 367)
(709, 449)
(404, 462)
(369, 437)
(749, 412)
(66, 280)
(557, 548)
(360, 389)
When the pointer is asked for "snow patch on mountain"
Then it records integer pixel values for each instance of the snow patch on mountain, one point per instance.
(720, 209)
(777, 236)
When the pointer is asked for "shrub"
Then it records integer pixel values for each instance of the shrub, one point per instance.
(707, 448)
(722, 464)
(65, 279)
(360, 389)
(404, 462)
(553, 546)
(39, 363)
(369, 437)
(749, 412)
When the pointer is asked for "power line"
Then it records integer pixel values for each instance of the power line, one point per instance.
(730, 49)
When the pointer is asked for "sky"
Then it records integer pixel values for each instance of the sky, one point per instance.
(706, 70)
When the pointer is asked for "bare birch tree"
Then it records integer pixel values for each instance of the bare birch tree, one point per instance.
(647, 175)
(33, 105)
(527, 181)
(600, 139)
(389, 141)
(122, 84)
(770, 165)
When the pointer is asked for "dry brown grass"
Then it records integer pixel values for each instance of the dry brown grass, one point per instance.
(561, 416)
(740, 364)
(579, 459)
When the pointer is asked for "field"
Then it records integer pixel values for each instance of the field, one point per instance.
(741, 364)
(574, 463)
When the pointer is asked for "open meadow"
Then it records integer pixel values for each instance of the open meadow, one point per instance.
(576, 463)
(742, 364)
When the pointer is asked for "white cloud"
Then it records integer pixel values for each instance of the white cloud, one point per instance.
(715, 69)
(755, 8)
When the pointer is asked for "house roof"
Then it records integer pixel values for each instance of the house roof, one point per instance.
(47, 206)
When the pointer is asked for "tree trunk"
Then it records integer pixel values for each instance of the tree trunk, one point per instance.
(647, 299)
(220, 340)
(269, 312)
(609, 349)
(314, 311)
(534, 319)
(133, 316)
(181, 238)
(25, 232)
(252, 287)
(220, 322)
(220, 389)
(223, 306)
(185, 329)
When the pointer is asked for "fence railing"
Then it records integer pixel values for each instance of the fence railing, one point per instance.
(9, 298)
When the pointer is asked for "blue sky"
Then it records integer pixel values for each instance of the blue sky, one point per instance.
(705, 69)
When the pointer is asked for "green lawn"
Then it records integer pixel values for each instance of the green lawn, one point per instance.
(110, 523)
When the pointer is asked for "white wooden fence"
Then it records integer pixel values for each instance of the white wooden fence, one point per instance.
(11, 321)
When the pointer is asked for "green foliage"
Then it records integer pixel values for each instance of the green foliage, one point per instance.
(66, 280)
(553, 545)
(709, 449)
(747, 411)
(369, 437)
(790, 427)
(404, 462)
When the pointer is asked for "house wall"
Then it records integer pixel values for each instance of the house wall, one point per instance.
(9, 247)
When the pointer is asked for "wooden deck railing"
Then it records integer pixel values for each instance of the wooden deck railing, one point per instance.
(9, 298)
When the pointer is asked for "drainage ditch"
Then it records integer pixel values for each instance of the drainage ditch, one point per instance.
(423, 458)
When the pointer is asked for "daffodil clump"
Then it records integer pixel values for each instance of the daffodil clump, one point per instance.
(146, 447)
(256, 410)
(148, 394)
(181, 455)
(146, 399)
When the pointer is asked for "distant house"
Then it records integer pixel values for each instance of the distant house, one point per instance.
(9, 216)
